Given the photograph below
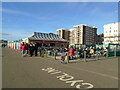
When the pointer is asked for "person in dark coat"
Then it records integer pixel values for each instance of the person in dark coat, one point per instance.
(31, 50)
(36, 49)
(27, 48)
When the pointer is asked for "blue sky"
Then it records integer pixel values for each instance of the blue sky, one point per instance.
(21, 19)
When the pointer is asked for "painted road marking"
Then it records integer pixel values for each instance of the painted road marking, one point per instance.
(100, 74)
(79, 84)
(74, 82)
(97, 73)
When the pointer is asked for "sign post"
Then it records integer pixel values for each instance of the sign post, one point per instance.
(115, 53)
(96, 55)
(84, 56)
(54, 55)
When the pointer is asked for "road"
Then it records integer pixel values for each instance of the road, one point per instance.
(34, 72)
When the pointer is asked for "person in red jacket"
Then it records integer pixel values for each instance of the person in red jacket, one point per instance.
(23, 49)
(71, 52)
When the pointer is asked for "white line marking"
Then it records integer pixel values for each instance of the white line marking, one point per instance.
(100, 74)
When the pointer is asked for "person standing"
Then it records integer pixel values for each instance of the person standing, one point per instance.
(42, 52)
(71, 52)
(31, 49)
(23, 49)
(36, 49)
(27, 48)
(39, 50)
(91, 51)
(63, 55)
(66, 49)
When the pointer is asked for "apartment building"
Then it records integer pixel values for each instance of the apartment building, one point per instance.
(72, 36)
(100, 38)
(80, 34)
(64, 33)
(84, 34)
(112, 33)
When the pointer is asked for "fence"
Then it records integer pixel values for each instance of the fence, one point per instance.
(102, 51)
(112, 49)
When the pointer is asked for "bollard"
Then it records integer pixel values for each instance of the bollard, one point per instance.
(107, 54)
(96, 55)
(115, 53)
(84, 56)
(40, 54)
(54, 55)
(46, 53)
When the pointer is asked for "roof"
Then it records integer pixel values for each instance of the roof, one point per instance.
(84, 25)
(113, 23)
(62, 29)
(46, 36)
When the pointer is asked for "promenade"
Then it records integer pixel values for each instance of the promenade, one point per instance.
(33, 72)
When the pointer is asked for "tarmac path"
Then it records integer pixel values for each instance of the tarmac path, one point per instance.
(29, 72)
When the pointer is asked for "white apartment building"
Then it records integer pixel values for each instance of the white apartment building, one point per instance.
(112, 33)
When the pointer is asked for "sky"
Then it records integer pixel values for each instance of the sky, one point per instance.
(21, 19)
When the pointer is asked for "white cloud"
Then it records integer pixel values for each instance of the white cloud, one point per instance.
(13, 11)
(22, 13)
(6, 34)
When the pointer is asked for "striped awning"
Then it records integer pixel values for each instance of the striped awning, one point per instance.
(46, 37)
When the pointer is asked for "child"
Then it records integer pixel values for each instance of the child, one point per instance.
(63, 57)
(67, 58)
(42, 52)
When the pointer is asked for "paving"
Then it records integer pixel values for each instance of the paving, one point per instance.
(29, 72)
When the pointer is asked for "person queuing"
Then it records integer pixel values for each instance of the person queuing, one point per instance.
(31, 49)
(23, 49)
(63, 55)
(71, 53)
(36, 49)
(27, 48)
(105, 51)
(77, 52)
(3, 45)
(39, 50)
(66, 49)
(92, 52)
(87, 49)
(42, 52)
